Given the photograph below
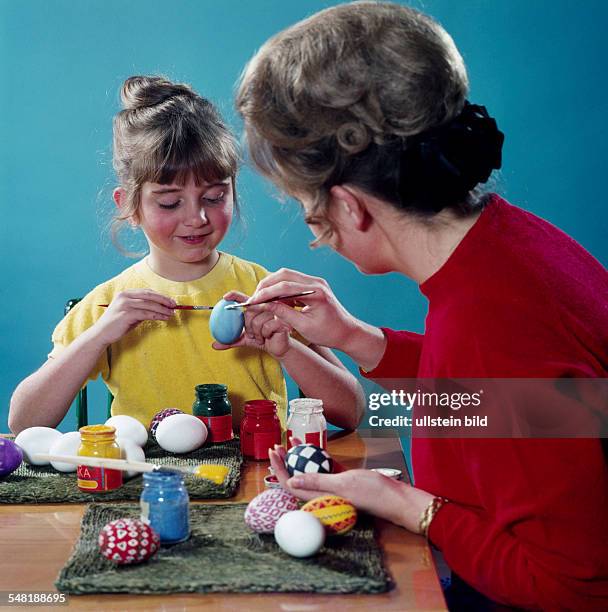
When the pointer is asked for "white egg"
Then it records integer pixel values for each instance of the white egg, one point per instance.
(181, 433)
(35, 440)
(67, 444)
(131, 452)
(299, 533)
(128, 427)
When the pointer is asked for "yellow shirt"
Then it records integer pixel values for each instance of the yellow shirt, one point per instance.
(157, 364)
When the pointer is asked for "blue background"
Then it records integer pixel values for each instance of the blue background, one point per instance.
(539, 67)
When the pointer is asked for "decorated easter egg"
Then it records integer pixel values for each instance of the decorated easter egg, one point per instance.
(131, 452)
(159, 416)
(129, 427)
(34, 440)
(67, 444)
(336, 514)
(308, 459)
(267, 508)
(181, 433)
(226, 326)
(299, 534)
(11, 457)
(127, 541)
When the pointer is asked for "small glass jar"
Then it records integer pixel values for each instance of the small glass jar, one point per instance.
(212, 407)
(165, 505)
(260, 429)
(306, 422)
(98, 441)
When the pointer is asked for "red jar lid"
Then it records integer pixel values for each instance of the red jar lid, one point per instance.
(260, 407)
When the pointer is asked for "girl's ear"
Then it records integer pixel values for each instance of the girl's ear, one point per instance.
(119, 195)
(351, 206)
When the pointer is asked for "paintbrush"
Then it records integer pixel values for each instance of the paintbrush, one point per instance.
(214, 472)
(274, 299)
(174, 307)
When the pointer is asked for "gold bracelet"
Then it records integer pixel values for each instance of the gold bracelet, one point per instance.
(429, 514)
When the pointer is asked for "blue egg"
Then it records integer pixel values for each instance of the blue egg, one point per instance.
(226, 326)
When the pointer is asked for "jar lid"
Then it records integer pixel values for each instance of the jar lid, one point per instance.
(165, 475)
(260, 407)
(97, 430)
(306, 405)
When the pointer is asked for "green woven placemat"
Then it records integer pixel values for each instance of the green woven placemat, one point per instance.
(223, 555)
(43, 484)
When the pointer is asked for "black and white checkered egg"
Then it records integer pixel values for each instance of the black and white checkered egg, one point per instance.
(308, 459)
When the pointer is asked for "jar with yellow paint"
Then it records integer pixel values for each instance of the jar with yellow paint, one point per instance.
(98, 441)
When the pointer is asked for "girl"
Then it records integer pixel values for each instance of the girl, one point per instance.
(176, 163)
(360, 113)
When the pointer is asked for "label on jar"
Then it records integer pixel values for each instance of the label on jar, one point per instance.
(98, 479)
(255, 446)
(318, 438)
(219, 427)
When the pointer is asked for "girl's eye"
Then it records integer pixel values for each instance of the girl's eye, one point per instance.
(215, 200)
(169, 206)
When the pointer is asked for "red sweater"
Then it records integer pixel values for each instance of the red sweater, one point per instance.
(528, 520)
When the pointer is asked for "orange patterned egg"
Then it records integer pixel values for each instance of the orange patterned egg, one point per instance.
(337, 514)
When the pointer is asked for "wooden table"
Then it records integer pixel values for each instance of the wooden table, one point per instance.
(36, 541)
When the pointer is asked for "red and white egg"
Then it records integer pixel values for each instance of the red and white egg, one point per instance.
(267, 508)
(128, 541)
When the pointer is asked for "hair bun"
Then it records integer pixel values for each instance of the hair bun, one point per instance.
(144, 91)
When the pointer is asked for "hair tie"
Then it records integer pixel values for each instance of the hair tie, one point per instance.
(439, 167)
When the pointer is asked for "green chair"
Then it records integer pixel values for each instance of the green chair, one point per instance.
(82, 415)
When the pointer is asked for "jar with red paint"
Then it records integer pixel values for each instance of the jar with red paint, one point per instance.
(260, 429)
(213, 408)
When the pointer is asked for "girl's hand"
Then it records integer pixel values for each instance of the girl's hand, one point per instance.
(323, 320)
(128, 309)
(262, 330)
(370, 491)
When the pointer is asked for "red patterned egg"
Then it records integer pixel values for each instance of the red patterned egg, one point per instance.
(127, 541)
(159, 416)
(267, 508)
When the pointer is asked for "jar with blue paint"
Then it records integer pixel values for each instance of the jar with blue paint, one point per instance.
(165, 505)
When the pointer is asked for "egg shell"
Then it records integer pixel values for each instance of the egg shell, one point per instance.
(35, 440)
(336, 514)
(226, 326)
(181, 433)
(131, 452)
(11, 457)
(267, 508)
(159, 416)
(128, 541)
(67, 444)
(129, 427)
(308, 459)
(299, 534)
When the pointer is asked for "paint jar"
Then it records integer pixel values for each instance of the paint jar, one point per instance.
(306, 422)
(213, 407)
(165, 505)
(98, 441)
(260, 429)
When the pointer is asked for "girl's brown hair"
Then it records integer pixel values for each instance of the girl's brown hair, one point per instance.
(165, 133)
(335, 98)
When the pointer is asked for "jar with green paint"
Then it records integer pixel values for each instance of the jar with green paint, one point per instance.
(212, 406)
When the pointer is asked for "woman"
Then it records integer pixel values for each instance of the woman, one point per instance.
(360, 113)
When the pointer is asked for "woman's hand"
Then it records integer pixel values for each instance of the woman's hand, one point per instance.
(262, 330)
(370, 491)
(128, 309)
(323, 320)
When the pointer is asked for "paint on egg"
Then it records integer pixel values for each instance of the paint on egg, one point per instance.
(128, 541)
(11, 457)
(264, 510)
(226, 326)
(308, 459)
(181, 433)
(299, 534)
(34, 440)
(336, 514)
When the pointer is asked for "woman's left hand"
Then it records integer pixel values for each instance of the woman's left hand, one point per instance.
(262, 330)
(370, 491)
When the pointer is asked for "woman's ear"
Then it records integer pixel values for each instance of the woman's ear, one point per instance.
(350, 206)
(119, 195)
